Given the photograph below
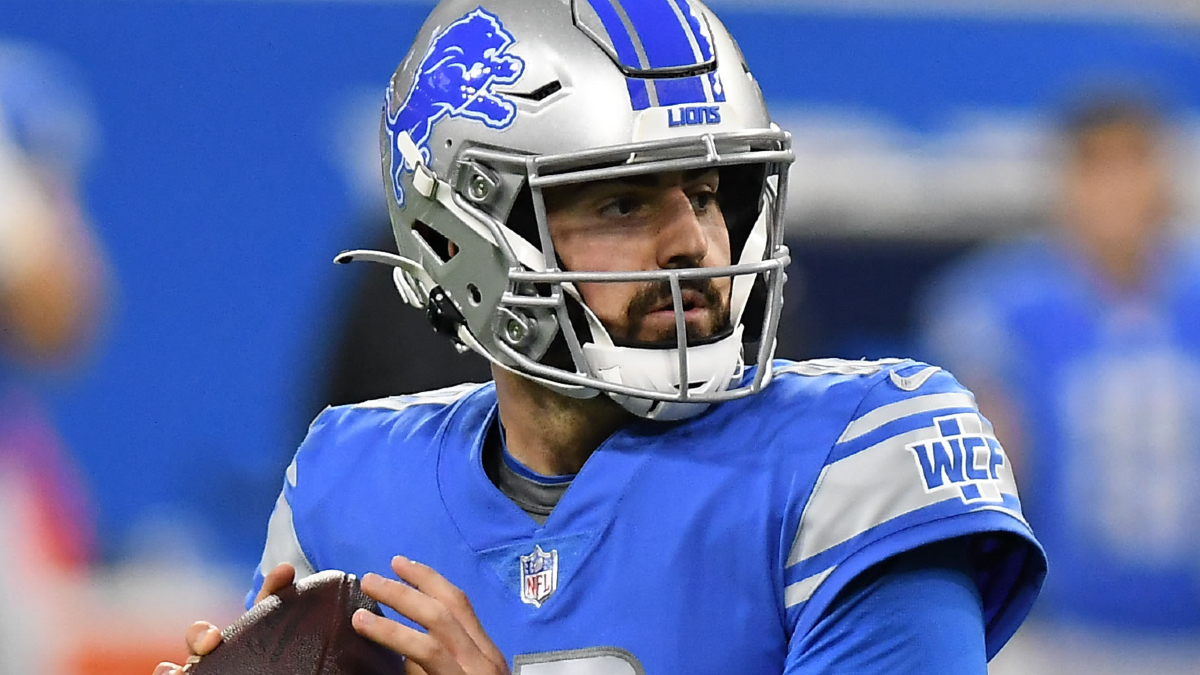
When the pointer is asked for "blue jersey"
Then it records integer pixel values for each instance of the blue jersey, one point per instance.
(711, 545)
(1106, 385)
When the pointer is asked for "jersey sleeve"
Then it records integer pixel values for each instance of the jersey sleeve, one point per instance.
(919, 612)
(915, 464)
(282, 542)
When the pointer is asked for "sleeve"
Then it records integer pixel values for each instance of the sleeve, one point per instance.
(916, 464)
(283, 543)
(918, 613)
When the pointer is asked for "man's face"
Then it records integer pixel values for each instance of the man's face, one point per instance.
(659, 221)
(1116, 184)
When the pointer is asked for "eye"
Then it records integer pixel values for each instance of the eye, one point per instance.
(702, 200)
(620, 207)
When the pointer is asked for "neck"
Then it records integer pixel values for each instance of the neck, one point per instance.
(1126, 267)
(1125, 262)
(550, 433)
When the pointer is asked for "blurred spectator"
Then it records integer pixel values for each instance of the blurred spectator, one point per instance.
(51, 289)
(1083, 346)
(51, 293)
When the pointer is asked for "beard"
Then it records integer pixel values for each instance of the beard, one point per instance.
(558, 355)
(716, 310)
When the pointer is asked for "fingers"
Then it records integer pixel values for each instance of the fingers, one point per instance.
(202, 637)
(411, 668)
(428, 581)
(454, 642)
(277, 579)
(165, 668)
(430, 654)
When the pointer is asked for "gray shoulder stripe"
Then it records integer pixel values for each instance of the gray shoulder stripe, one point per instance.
(802, 590)
(817, 367)
(901, 409)
(869, 488)
(282, 543)
(436, 397)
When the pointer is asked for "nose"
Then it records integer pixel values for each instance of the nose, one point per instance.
(682, 241)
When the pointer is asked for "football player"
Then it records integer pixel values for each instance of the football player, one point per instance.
(590, 194)
(1103, 308)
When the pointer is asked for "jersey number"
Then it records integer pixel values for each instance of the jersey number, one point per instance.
(590, 661)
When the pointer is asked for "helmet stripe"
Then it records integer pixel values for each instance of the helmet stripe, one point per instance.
(627, 51)
(677, 90)
(621, 38)
(703, 41)
(663, 35)
(699, 33)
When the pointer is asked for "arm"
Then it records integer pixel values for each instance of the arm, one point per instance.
(919, 612)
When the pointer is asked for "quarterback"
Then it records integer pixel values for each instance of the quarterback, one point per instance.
(590, 194)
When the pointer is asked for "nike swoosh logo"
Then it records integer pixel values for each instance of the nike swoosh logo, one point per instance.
(913, 382)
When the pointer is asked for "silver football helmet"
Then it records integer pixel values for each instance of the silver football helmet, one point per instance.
(500, 100)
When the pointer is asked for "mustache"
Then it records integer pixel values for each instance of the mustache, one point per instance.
(656, 293)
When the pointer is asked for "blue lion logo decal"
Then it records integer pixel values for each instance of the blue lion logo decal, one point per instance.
(455, 79)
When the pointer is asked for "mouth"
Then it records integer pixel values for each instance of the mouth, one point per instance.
(693, 302)
(654, 321)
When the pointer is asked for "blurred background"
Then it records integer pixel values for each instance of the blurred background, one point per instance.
(1004, 187)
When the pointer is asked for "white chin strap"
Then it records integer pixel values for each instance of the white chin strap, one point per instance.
(711, 368)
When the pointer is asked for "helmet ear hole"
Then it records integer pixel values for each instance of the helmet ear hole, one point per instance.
(438, 245)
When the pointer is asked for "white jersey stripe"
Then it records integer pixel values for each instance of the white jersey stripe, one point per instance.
(802, 590)
(903, 408)
(282, 544)
(290, 474)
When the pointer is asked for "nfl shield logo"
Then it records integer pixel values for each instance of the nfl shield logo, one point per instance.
(539, 576)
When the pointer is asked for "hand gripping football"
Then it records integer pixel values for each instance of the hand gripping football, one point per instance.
(303, 629)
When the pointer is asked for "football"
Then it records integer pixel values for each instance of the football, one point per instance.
(303, 629)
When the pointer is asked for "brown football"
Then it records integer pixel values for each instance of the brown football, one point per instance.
(303, 629)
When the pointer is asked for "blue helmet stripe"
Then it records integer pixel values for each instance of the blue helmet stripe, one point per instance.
(639, 94)
(697, 30)
(677, 90)
(718, 89)
(621, 40)
(663, 36)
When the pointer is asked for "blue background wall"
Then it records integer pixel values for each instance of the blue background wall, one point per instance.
(215, 197)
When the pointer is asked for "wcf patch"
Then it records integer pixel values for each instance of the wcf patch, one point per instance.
(962, 457)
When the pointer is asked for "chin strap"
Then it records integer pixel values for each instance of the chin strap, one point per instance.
(711, 368)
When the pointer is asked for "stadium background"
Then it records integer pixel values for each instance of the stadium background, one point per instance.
(231, 167)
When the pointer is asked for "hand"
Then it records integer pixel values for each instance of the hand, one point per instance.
(454, 644)
(203, 637)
